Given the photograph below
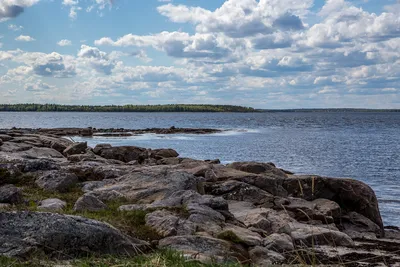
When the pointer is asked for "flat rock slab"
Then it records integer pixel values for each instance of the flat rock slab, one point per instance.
(23, 234)
(144, 185)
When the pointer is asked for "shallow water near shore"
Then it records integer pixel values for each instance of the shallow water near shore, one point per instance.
(364, 146)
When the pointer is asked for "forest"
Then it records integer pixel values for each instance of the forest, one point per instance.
(124, 108)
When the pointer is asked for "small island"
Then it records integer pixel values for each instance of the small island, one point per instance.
(65, 203)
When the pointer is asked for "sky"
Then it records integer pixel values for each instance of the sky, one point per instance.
(274, 54)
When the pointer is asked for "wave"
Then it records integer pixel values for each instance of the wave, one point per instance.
(230, 132)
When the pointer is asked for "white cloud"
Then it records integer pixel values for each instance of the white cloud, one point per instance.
(12, 8)
(64, 42)
(14, 27)
(24, 38)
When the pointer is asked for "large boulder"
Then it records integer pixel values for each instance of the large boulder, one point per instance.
(351, 195)
(59, 181)
(76, 148)
(24, 234)
(10, 194)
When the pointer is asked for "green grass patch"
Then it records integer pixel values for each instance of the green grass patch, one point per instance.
(132, 223)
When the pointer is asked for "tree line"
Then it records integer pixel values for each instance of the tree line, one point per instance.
(124, 108)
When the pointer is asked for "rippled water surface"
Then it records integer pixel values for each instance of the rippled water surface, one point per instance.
(364, 146)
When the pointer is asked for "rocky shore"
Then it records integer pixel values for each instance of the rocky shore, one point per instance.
(112, 132)
(61, 201)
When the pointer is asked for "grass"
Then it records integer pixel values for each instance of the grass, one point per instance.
(160, 258)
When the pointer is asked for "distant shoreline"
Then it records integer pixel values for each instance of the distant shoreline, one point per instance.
(170, 108)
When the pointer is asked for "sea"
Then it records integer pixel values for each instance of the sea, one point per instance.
(359, 145)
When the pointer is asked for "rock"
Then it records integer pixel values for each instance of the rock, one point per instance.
(55, 236)
(52, 204)
(14, 147)
(5, 137)
(41, 153)
(240, 235)
(145, 185)
(57, 181)
(323, 210)
(88, 156)
(355, 225)
(267, 220)
(351, 195)
(264, 258)
(169, 161)
(164, 153)
(10, 194)
(38, 165)
(97, 149)
(89, 203)
(97, 171)
(122, 153)
(86, 132)
(309, 235)
(133, 207)
(251, 217)
(279, 242)
(60, 147)
(166, 224)
(270, 183)
(1, 142)
(257, 168)
(202, 248)
(327, 208)
(163, 222)
(76, 148)
(234, 190)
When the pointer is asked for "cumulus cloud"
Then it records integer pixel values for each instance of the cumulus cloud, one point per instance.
(13, 8)
(37, 86)
(98, 60)
(64, 42)
(53, 65)
(267, 53)
(25, 38)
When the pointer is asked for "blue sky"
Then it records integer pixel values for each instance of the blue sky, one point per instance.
(265, 53)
